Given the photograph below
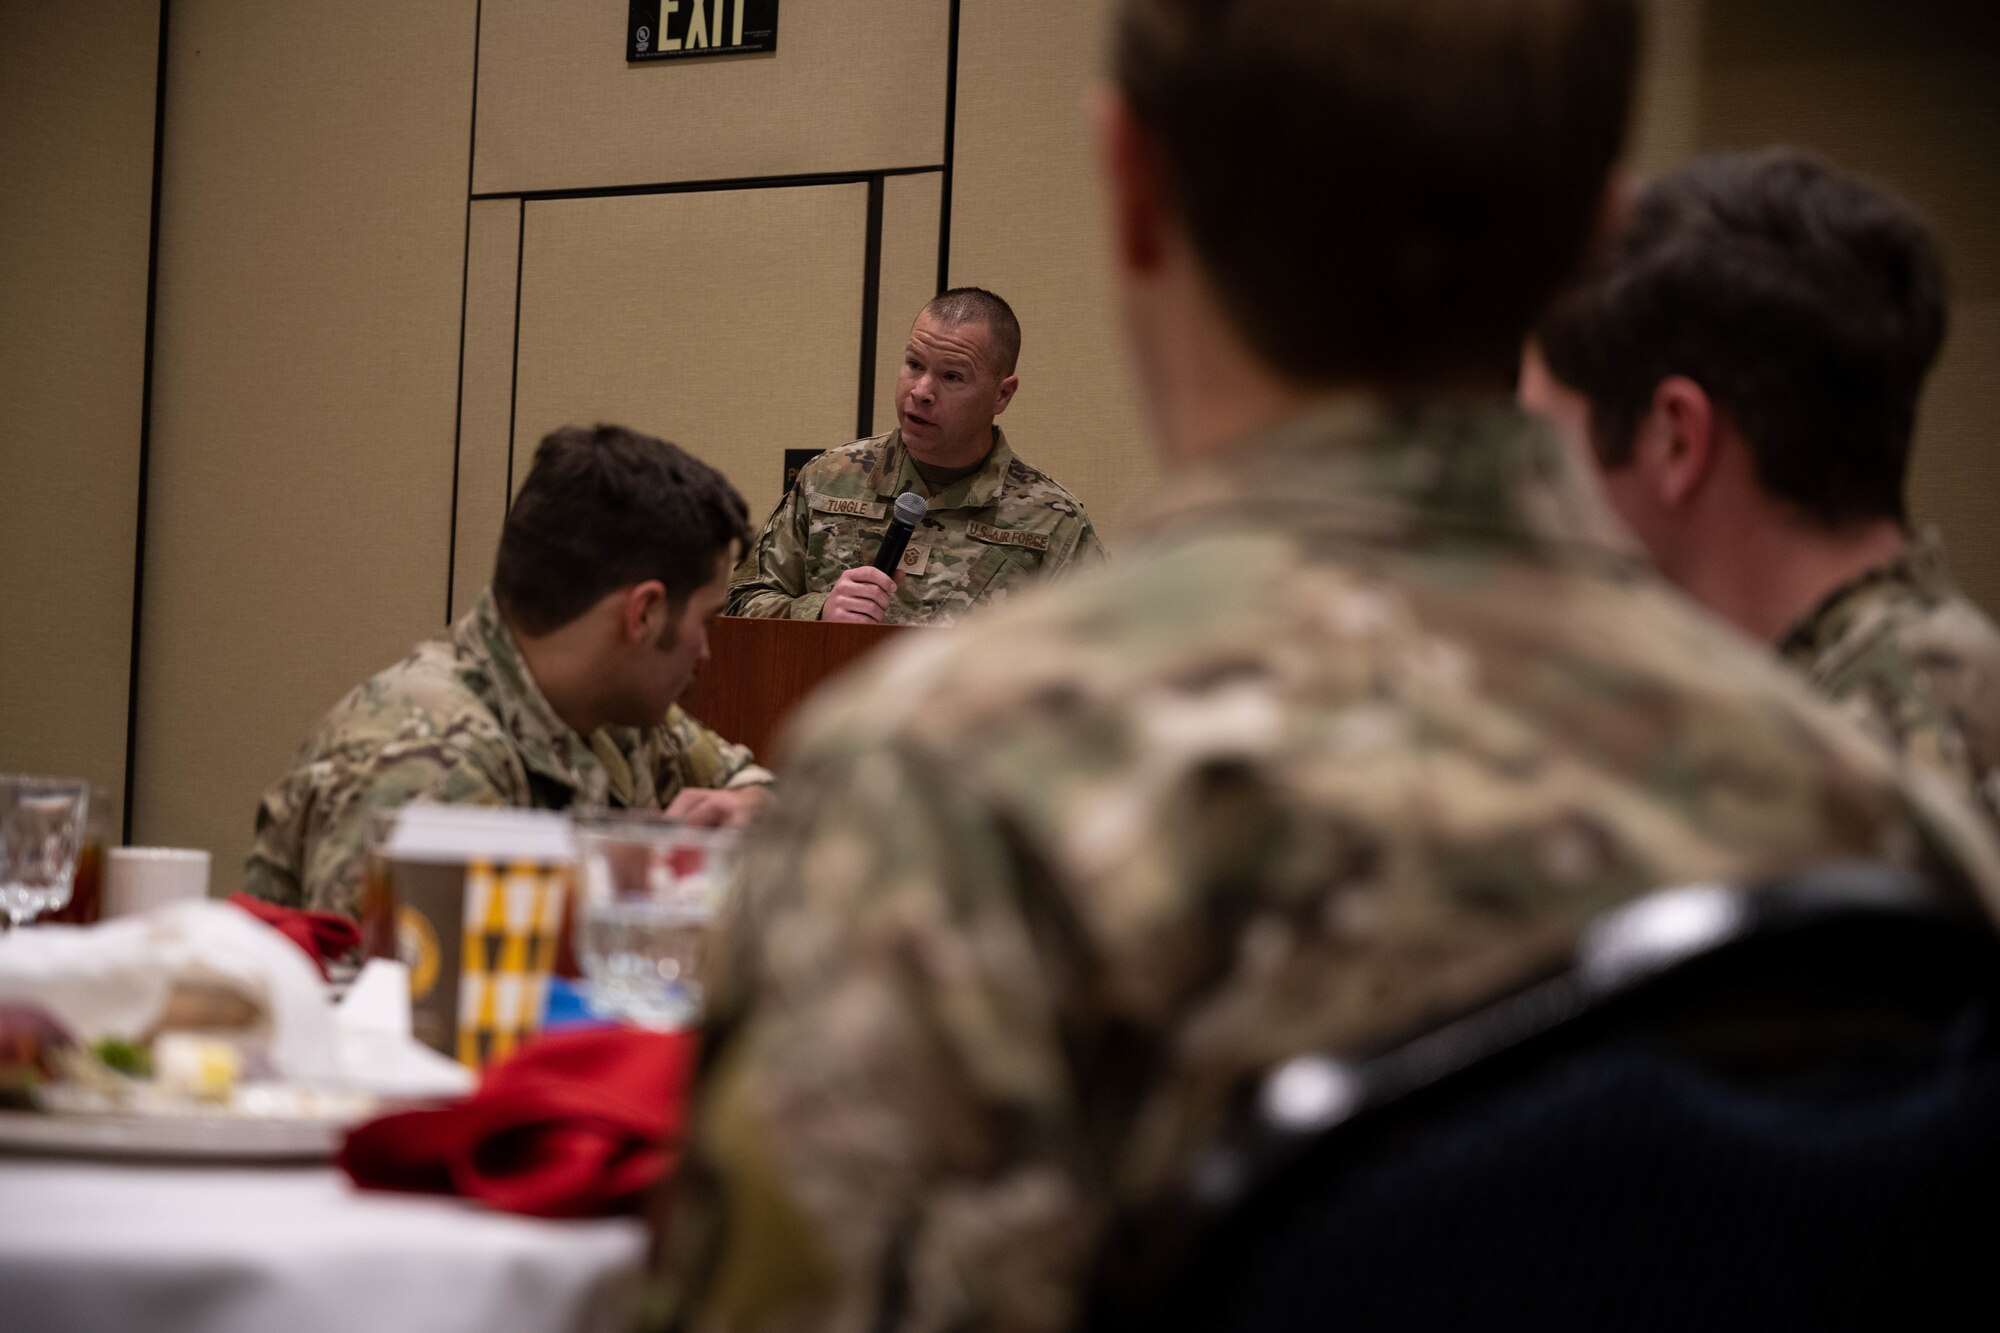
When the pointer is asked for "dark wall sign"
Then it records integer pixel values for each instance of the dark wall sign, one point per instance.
(671, 29)
(794, 460)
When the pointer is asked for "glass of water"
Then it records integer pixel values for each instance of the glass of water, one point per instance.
(41, 834)
(648, 891)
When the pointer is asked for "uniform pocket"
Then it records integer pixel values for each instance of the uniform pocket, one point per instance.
(1008, 557)
(837, 542)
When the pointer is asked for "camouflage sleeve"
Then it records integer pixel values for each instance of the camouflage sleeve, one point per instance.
(1087, 554)
(1885, 694)
(770, 581)
(885, 1133)
(270, 871)
(701, 758)
(1907, 718)
(1955, 850)
(312, 831)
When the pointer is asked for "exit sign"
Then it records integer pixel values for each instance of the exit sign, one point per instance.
(673, 29)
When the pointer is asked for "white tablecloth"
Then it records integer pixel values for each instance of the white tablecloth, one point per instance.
(149, 1248)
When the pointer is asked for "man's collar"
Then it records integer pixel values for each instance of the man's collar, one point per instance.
(1919, 569)
(546, 743)
(1479, 472)
(895, 473)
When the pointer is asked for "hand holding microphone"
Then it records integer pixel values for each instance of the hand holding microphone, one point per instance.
(861, 595)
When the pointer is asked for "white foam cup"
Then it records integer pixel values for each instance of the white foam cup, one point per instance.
(138, 879)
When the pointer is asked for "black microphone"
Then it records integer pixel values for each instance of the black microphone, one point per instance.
(910, 511)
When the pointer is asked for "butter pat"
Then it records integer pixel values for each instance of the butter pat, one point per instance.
(188, 1065)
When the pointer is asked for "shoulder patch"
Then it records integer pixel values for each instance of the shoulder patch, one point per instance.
(1027, 484)
(986, 532)
(854, 457)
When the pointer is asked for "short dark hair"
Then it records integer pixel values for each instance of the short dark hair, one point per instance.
(606, 508)
(1808, 303)
(976, 305)
(1383, 191)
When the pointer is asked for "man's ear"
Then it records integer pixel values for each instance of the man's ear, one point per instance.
(1682, 437)
(643, 613)
(1137, 183)
(1006, 394)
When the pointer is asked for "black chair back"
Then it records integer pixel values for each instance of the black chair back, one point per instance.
(1767, 1110)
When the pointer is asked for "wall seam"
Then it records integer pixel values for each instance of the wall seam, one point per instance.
(779, 182)
(145, 424)
(871, 302)
(950, 152)
(464, 300)
(514, 375)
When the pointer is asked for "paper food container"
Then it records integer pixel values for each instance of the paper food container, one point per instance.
(471, 900)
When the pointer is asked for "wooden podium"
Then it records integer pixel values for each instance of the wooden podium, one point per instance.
(760, 670)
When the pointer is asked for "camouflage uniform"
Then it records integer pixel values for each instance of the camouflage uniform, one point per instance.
(1904, 652)
(1005, 526)
(1380, 718)
(459, 720)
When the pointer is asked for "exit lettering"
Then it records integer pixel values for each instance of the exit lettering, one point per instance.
(676, 29)
(696, 29)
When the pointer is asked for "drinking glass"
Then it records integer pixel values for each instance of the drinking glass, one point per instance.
(41, 833)
(100, 833)
(649, 891)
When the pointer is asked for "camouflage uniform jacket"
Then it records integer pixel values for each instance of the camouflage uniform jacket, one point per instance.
(459, 720)
(1379, 719)
(1005, 526)
(1911, 658)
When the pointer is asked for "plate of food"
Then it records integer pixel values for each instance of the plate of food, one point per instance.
(179, 1095)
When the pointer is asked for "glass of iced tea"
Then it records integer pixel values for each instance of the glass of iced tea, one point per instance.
(100, 830)
(378, 894)
(647, 893)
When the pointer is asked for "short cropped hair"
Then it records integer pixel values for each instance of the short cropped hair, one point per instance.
(976, 305)
(1809, 304)
(1384, 192)
(603, 509)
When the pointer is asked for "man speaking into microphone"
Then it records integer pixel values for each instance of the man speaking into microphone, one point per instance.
(990, 523)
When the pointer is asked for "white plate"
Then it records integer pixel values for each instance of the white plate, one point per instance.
(281, 1128)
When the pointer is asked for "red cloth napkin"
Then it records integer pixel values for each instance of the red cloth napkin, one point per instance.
(324, 935)
(576, 1124)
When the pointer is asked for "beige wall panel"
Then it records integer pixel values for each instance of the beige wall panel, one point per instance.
(1956, 481)
(725, 322)
(1897, 120)
(310, 267)
(908, 277)
(853, 85)
(1027, 222)
(486, 393)
(1909, 94)
(76, 160)
(1667, 109)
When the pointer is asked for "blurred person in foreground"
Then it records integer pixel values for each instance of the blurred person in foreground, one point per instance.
(1744, 368)
(1386, 711)
(995, 525)
(556, 689)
